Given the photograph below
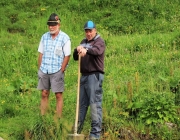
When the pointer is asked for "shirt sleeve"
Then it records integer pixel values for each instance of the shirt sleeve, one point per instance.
(67, 48)
(40, 48)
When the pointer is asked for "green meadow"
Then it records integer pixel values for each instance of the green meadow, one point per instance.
(141, 99)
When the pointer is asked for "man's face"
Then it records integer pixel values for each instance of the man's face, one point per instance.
(54, 29)
(90, 33)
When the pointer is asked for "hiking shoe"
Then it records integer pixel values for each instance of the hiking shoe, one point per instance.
(93, 138)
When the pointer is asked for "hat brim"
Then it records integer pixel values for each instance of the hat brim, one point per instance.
(88, 28)
(52, 23)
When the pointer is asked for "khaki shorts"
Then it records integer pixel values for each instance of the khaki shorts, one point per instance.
(54, 81)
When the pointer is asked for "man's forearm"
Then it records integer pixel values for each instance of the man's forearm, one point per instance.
(65, 62)
(39, 60)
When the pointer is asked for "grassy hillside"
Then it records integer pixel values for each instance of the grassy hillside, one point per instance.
(141, 87)
(119, 17)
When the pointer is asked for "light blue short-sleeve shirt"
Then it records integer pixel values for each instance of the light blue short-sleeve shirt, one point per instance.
(54, 51)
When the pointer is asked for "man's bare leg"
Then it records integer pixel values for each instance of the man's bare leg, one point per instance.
(59, 104)
(44, 101)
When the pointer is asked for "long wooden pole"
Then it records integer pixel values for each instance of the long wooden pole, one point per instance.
(78, 93)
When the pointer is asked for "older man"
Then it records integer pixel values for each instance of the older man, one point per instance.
(54, 54)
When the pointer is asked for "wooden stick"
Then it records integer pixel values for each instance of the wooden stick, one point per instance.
(78, 93)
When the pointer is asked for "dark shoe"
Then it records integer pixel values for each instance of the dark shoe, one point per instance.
(79, 128)
(93, 138)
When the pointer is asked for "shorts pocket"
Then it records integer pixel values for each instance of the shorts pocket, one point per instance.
(59, 76)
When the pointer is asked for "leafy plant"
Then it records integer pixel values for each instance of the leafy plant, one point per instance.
(156, 108)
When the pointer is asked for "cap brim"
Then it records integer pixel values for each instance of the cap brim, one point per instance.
(88, 28)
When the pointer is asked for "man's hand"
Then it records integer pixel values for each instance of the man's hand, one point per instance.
(79, 48)
(81, 51)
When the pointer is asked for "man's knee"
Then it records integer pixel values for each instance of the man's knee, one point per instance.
(45, 94)
(58, 95)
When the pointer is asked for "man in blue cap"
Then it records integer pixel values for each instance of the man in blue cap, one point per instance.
(91, 50)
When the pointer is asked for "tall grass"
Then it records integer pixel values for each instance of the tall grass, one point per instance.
(141, 66)
(142, 59)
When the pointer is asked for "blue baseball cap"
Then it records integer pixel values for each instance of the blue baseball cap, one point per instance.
(89, 25)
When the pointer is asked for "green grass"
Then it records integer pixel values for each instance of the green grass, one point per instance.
(141, 65)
